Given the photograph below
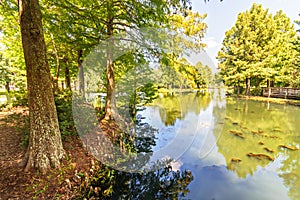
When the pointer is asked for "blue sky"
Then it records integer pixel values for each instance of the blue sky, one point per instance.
(221, 16)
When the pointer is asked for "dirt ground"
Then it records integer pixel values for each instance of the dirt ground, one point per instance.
(63, 183)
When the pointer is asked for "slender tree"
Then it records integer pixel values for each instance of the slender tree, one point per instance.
(45, 148)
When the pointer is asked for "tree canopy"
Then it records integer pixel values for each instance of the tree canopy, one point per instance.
(72, 29)
(260, 48)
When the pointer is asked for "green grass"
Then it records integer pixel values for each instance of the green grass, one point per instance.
(272, 100)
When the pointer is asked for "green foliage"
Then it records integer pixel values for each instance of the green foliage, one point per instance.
(12, 64)
(25, 130)
(257, 91)
(179, 73)
(148, 93)
(63, 102)
(296, 73)
(98, 182)
(21, 98)
(99, 105)
(162, 183)
(258, 47)
(178, 105)
(16, 98)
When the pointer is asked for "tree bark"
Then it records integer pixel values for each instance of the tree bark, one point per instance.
(248, 86)
(67, 73)
(238, 89)
(81, 73)
(57, 62)
(45, 148)
(7, 87)
(67, 78)
(110, 105)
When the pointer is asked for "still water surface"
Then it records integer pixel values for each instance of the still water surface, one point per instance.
(233, 147)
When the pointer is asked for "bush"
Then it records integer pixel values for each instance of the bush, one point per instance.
(257, 91)
(21, 98)
(63, 102)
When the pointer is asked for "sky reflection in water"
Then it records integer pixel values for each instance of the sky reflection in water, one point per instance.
(197, 129)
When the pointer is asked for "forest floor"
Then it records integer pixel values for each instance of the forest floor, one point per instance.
(15, 183)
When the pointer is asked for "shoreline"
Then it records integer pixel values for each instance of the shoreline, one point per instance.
(270, 100)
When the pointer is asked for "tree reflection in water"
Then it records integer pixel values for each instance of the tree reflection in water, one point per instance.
(176, 107)
(157, 182)
(265, 129)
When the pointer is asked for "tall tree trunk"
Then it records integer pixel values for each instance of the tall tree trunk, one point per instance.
(8, 95)
(81, 73)
(238, 89)
(248, 86)
(45, 148)
(67, 78)
(57, 62)
(110, 105)
(7, 87)
(67, 73)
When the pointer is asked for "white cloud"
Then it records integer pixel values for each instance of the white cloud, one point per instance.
(211, 42)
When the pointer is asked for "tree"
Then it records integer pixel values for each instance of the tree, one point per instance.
(283, 61)
(12, 59)
(175, 70)
(116, 20)
(45, 148)
(5, 74)
(296, 74)
(257, 48)
(244, 47)
(87, 24)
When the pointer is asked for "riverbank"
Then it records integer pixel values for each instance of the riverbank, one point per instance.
(270, 100)
(70, 181)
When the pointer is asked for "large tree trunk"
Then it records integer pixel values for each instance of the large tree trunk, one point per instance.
(45, 148)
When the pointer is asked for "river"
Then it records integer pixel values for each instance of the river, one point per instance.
(234, 148)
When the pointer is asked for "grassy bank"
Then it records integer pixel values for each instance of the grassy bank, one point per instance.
(271, 100)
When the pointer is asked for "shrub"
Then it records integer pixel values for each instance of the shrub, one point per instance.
(21, 98)
(63, 102)
(257, 91)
